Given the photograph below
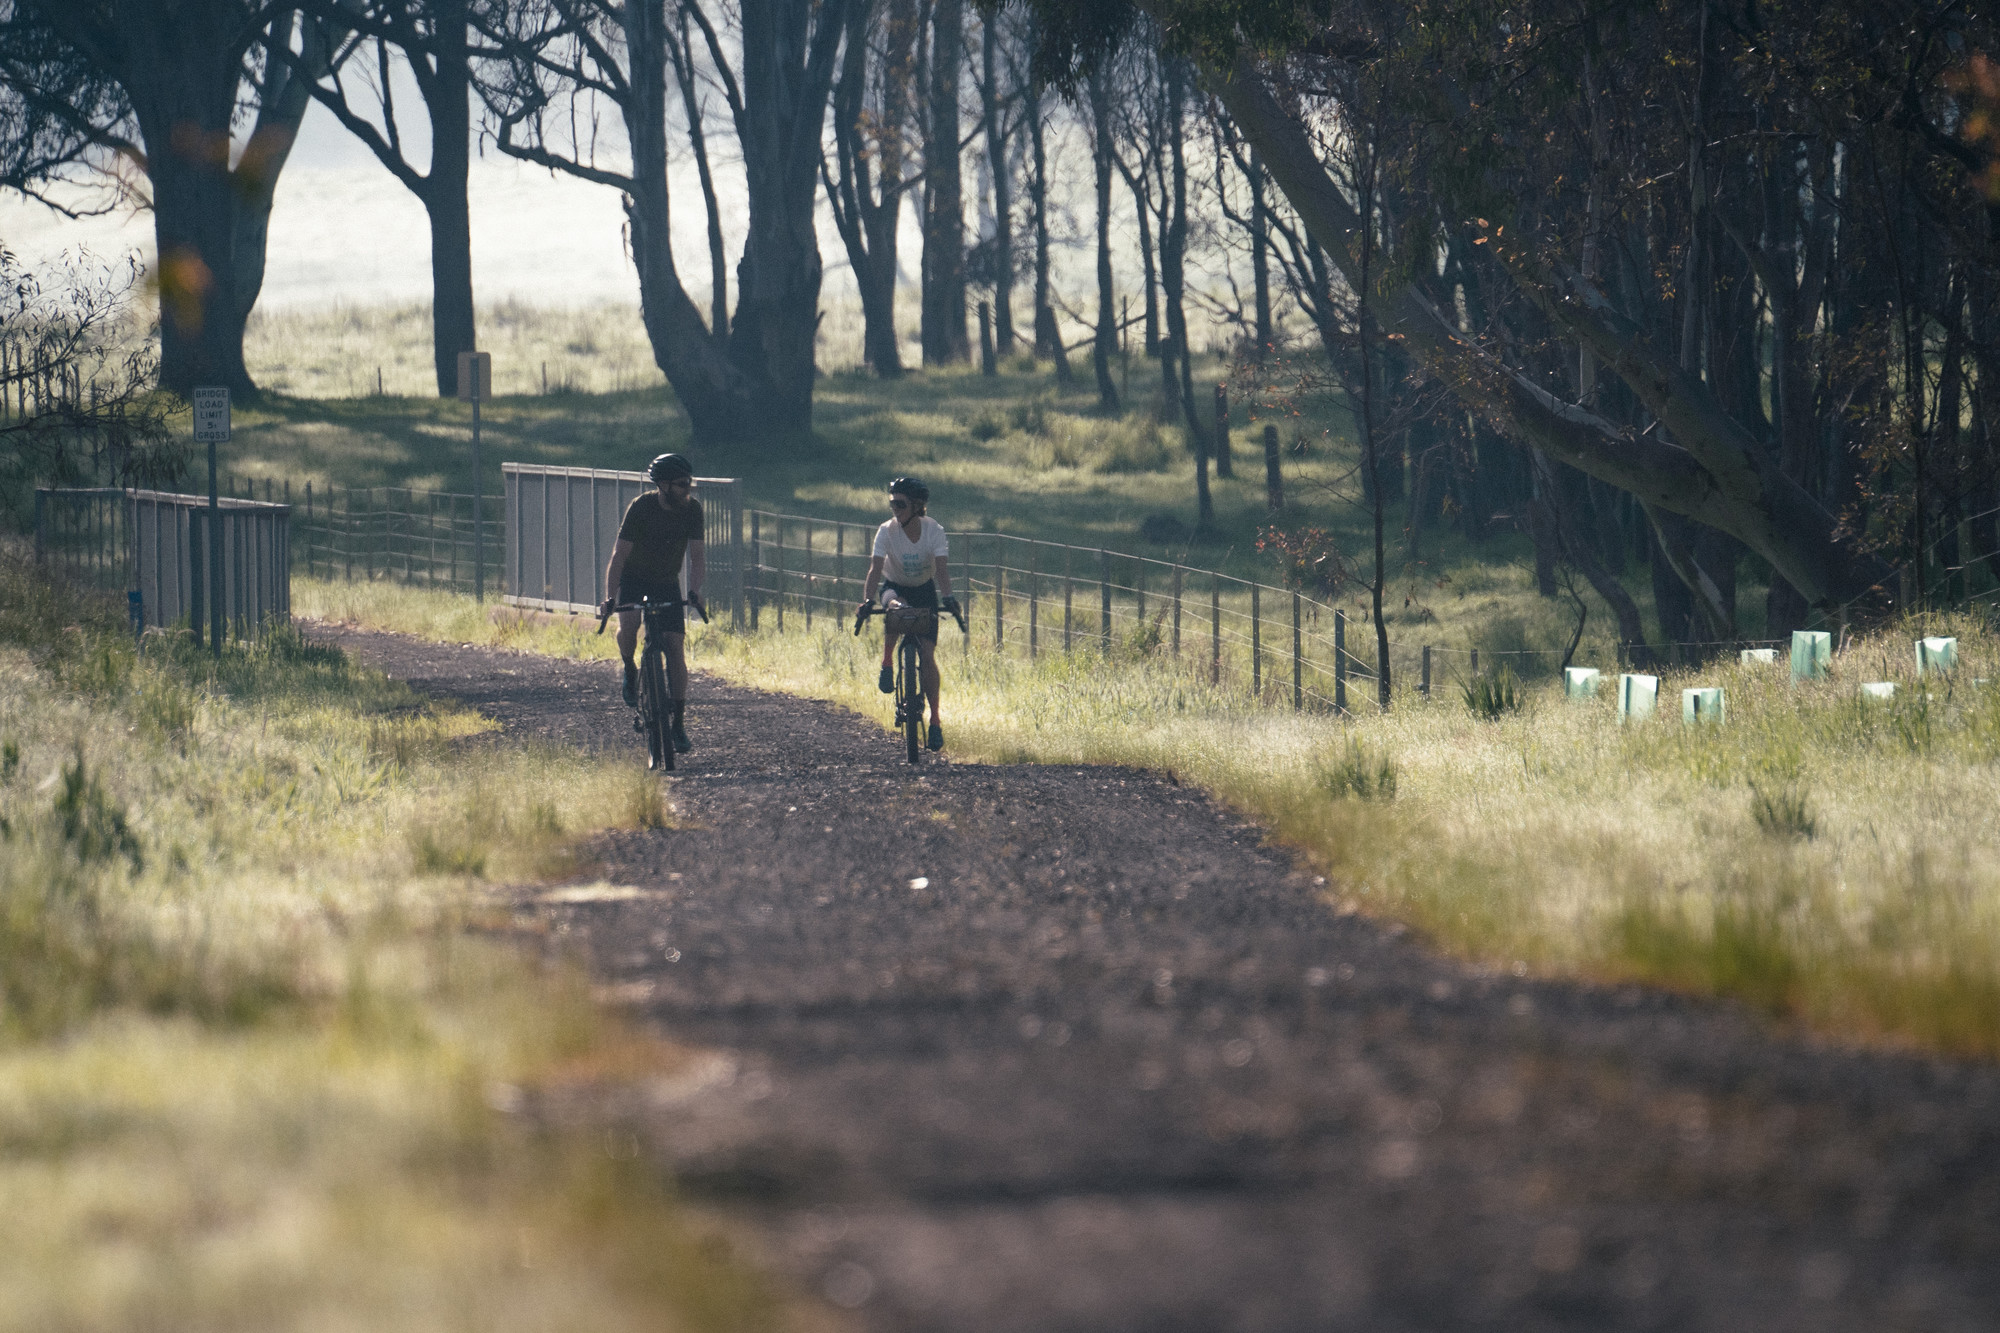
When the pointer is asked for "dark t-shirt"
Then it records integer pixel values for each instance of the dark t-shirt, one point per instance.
(659, 537)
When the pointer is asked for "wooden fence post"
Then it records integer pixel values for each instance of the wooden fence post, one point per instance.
(779, 543)
(1177, 611)
(1256, 642)
(1104, 598)
(1225, 466)
(756, 567)
(1339, 660)
(1298, 659)
(809, 576)
(840, 562)
(1069, 588)
(1215, 629)
(1034, 610)
(1424, 688)
(1475, 661)
(999, 602)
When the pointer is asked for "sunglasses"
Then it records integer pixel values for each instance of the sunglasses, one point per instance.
(899, 503)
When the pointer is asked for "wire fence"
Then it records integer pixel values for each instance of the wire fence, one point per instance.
(1022, 596)
(397, 533)
(1025, 597)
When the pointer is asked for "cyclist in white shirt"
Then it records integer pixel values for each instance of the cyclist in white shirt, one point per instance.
(908, 566)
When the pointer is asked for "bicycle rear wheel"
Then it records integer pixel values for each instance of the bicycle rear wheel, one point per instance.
(913, 700)
(653, 709)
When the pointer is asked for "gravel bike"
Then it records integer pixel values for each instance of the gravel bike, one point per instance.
(655, 704)
(911, 622)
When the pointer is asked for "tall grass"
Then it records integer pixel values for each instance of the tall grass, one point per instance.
(246, 1044)
(1827, 861)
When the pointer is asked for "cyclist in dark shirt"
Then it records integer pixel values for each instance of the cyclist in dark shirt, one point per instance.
(660, 528)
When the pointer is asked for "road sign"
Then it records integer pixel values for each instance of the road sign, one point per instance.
(475, 376)
(211, 414)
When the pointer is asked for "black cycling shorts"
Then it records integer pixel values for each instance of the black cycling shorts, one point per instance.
(923, 595)
(670, 622)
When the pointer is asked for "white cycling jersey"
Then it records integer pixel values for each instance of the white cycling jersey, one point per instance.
(907, 562)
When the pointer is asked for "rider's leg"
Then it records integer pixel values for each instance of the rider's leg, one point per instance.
(628, 643)
(677, 688)
(927, 671)
(677, 667)
(887, 680)
(628, 636)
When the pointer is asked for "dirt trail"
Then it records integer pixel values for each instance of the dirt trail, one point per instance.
(1030, 1048)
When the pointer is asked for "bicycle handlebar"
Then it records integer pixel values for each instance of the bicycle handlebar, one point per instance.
(870, 609)
(692, 599)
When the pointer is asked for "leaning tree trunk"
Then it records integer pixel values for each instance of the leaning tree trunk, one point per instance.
(1709, 468)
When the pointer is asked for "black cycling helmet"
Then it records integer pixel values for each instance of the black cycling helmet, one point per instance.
(912, 487)
(668, 466)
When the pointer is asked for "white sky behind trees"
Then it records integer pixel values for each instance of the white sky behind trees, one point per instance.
(346, 232)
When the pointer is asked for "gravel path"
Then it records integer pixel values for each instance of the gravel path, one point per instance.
(1033, 1048)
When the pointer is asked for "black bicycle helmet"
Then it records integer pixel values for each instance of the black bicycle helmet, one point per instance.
(668, 466)
(912, 487)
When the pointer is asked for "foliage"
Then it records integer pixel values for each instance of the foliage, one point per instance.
(1359, 772)
(1493, 694)
(91, 414)
(1311, 558)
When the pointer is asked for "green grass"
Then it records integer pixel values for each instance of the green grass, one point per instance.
(1825, 861)
(248, 1048)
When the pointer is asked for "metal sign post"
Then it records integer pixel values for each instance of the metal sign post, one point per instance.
(475, 384)
(211, 427)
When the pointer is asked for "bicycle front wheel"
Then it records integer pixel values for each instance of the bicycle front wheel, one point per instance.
(653, 708)
(913, 700)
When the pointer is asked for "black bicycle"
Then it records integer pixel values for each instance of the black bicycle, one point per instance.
(655, 704)
(911, 622)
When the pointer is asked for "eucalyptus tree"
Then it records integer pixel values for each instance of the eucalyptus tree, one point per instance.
(872, 99)
(429, 38)
(208, 116)
(561, 65)
(1493, 108)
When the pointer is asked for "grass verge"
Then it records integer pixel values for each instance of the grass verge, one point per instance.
(1823, 859)
(249, 1052)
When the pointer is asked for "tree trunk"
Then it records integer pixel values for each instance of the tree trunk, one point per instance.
(1710, 468)
(944, 332)
(866, 216)
(1003, 187)
(1260, 258)
(181, 72)
(444, 196)
(1048, 336)
(1106, 341)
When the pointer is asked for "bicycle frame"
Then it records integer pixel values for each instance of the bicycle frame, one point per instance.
(913, 623)
(654, 699)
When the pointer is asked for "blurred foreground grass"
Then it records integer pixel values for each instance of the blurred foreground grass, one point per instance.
(251, 1042)
(1821, 859)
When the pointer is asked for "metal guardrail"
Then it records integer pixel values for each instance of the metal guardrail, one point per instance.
(562, 521)
(156, 542)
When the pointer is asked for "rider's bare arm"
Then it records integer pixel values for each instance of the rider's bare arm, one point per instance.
(697, 559)
(615, 569)
(942, 575)
(874, 582)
